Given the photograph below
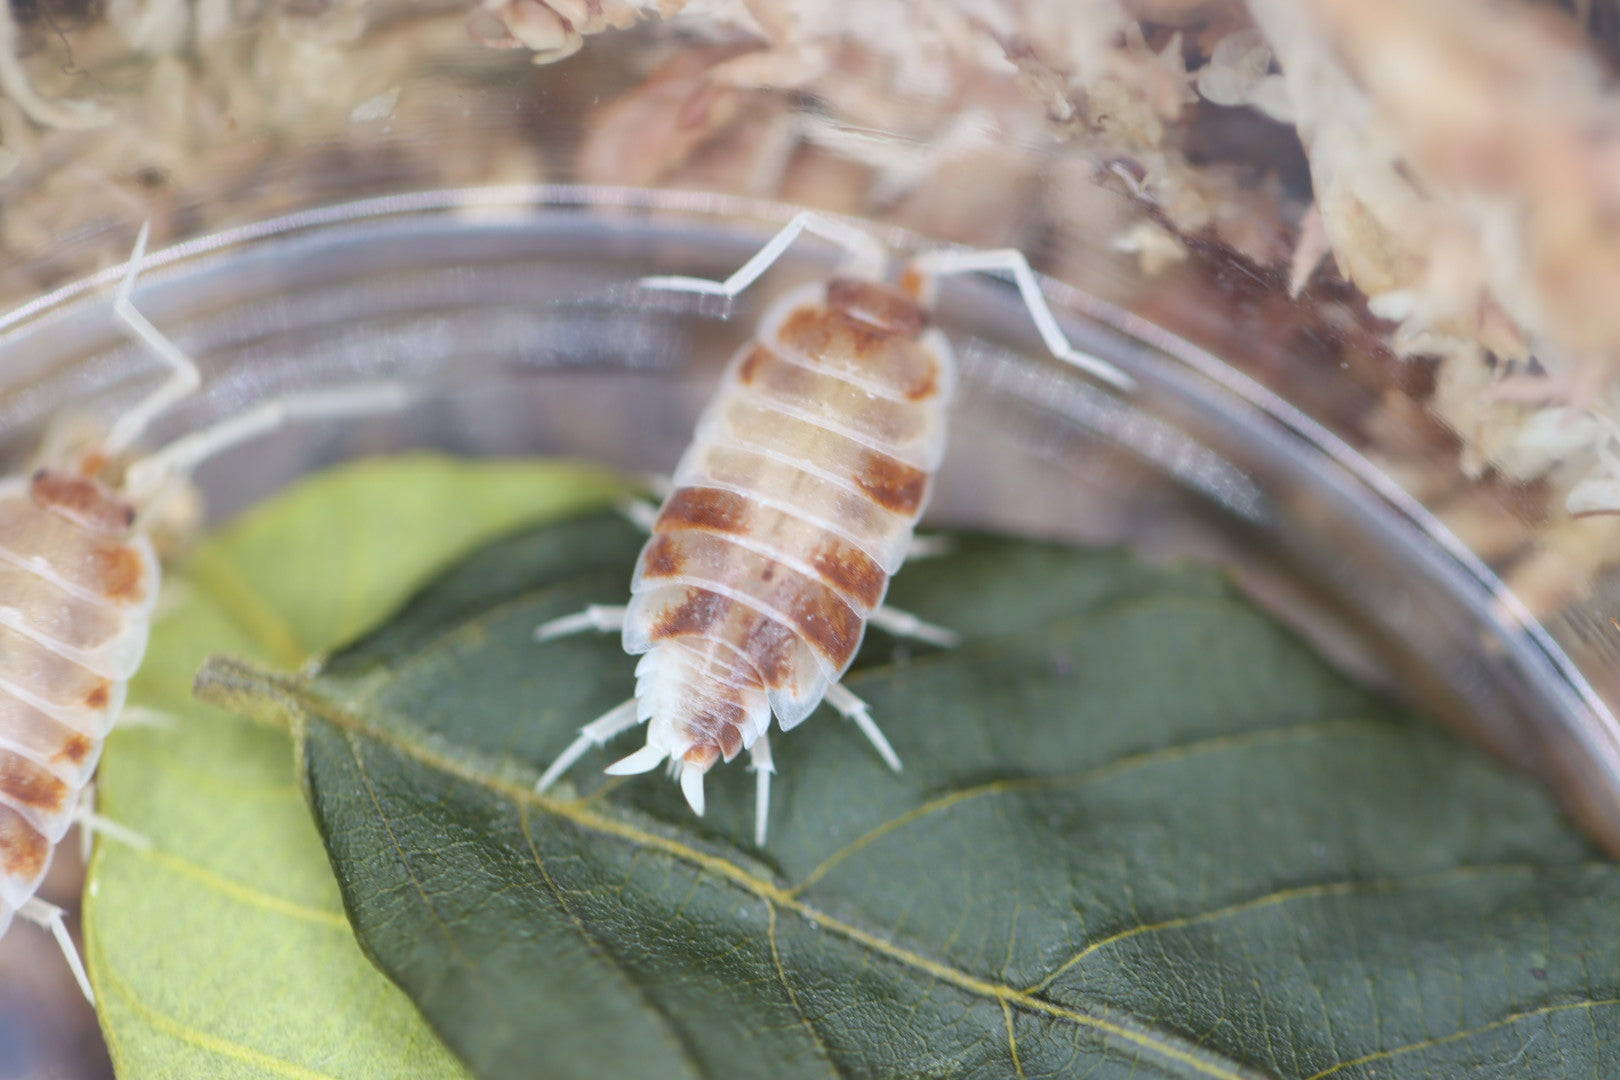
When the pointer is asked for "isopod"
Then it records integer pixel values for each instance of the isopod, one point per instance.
(78, 581)
(795, 502)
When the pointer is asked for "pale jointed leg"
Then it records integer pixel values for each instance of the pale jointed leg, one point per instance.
(904, 624)
(178, 458)
(183, 375)
(865, 257)
(658, 485)
(641, 513)
(620, 718)
(759, 760)
(603, 618)
(90, 823)
(50, 917)
(142, 716)
(928, 547)
(186, 453)
(853, 708)
(1012, 261)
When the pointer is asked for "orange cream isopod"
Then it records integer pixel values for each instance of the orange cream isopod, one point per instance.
(78, 582)
(789, 512)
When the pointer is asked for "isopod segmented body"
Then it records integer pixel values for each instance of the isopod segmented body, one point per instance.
(78, 582)
(76, 595)
(794, 504)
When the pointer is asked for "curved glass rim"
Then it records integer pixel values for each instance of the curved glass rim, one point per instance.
(1158, 358)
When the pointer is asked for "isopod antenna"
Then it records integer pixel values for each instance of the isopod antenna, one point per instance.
(1009, 260)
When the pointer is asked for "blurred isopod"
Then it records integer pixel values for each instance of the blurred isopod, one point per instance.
(78, 581)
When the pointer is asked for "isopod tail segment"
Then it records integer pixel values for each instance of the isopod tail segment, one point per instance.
(628, 714)
(78, 584)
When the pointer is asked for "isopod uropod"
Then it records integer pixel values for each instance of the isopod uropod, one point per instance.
(78, 581)
(790, 510)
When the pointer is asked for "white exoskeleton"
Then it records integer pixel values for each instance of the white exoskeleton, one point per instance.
(794, 504)
(78, 581)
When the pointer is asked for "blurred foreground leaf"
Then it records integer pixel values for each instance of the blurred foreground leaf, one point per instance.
(224, 951)
(1142, 832)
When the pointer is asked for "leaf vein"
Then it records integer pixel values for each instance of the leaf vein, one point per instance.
(1440, 879)
(605, 955)
(246, 894)
(1012, 1040)
(454, 945)
(1162, 1044)
(833, 1068)
(1456, 1036)
(1119, 766)
(203, 1040)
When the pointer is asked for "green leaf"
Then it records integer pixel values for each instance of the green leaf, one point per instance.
(224, 951)
(1141, 832)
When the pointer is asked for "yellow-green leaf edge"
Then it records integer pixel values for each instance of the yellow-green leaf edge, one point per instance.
(223, 950)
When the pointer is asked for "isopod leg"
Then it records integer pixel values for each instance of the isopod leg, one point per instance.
(618, 719)
(642, 514)
(853, 708)
(140, 716)
(1012, 261)
(185, 454)
(183, 376)
(658, 484)
(759, 760)
(90, 823)
(904, 624)
(49, 916)
(928, 547)
(604, 618)
(865, 257)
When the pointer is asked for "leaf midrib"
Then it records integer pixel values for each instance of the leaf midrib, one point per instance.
(1101, 1019)
(600, 949)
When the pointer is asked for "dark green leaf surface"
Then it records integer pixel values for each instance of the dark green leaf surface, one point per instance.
(1141, 832)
